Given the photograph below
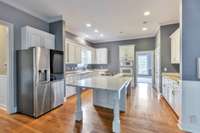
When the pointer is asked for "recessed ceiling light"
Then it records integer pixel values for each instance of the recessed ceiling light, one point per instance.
(101, 35)
(88, 25)
(86, 36)
(147, 13)
(97, 31)
(144, 29)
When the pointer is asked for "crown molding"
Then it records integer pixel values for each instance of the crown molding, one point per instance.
(169, 22)
(126, 39)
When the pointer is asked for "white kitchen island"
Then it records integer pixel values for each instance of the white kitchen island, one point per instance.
(113, 84)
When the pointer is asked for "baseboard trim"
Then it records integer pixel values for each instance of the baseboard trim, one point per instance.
(175, 115)
(189, 128)
(2, 107)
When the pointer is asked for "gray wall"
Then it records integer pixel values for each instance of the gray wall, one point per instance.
(143, 44)
(165, 45)
(190, 38)
(19, 19)
(58, 29)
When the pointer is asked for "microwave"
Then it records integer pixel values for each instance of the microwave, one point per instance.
(56, 65)
(126, 62)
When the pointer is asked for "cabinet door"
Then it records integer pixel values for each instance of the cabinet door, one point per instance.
(35, 40)
(102, 56)
(93, 56)
(78, 54)
(66, 53)
(122, 51)
(49, 41)
(32, 37)
(177, 100)
(175, 47)
(172, 49)
(127, 52)
(57, 93)
(71, 51)
(178, 46)
(98, 56)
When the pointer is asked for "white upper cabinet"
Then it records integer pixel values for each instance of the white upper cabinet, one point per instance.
(78, 54)
(175, 47)
(32, 37)
(101, 56)
(66, 52)
(93, 55)
(127, 52)
(71, 53)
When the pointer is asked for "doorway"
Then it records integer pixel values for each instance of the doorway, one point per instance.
(144, 67)
(7, 67)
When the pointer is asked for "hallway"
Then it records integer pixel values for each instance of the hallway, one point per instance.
(144, 114)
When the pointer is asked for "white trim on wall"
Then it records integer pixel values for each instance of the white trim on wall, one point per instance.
(10, 91)
(190, 114)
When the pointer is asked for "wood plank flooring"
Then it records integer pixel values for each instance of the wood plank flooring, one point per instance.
(144, 114)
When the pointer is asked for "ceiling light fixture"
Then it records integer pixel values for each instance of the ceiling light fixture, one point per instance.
(97, 31)
(88, 25)
(101, 35)
(86, 36)
(147, 13)
(144, 29)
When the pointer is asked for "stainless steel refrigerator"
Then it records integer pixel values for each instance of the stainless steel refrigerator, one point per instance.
(33, 81)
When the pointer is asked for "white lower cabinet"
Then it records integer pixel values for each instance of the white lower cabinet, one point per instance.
(70, 91)
(172, 92)
(57, 93)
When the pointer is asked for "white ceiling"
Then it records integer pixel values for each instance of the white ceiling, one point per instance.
(110, 17)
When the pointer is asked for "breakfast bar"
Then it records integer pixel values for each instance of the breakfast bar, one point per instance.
(116, 85)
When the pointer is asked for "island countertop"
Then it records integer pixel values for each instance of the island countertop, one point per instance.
(111, 83)
(115, 86)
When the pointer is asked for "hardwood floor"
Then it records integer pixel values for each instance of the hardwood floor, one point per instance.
(144, 114)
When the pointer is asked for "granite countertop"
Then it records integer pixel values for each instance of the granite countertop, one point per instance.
(174, 76)
(111, 83)
(77, 72)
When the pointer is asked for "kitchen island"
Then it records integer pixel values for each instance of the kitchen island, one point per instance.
(115, 85)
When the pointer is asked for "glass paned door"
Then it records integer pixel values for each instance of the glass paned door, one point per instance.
(143, 65)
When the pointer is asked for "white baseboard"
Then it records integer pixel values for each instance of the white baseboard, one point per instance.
(3, 107)
(189, 128)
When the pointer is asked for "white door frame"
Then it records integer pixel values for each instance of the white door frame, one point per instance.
(152, 63)
(10, 69)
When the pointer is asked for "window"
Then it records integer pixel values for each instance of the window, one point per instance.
(86, 56)
(143, 65)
